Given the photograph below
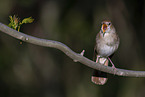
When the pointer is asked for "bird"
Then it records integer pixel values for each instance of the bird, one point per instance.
(107, 42)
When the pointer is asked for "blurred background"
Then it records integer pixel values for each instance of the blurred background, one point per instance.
(28, 70)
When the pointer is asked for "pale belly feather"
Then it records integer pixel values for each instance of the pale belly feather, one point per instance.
(106, 50)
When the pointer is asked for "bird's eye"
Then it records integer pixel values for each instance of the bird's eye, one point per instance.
(109, 23)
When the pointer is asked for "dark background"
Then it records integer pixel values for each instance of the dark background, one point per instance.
(28, 70)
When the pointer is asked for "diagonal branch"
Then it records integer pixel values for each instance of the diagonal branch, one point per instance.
(69, 52)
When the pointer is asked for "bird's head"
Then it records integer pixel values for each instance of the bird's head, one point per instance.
(106, 27)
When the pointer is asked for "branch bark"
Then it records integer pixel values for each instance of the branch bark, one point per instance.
(69, 52)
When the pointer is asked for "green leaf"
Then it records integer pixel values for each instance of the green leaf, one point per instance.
(27, 20)
(11, 21)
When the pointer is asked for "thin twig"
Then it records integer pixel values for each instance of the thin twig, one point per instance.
(68, 52)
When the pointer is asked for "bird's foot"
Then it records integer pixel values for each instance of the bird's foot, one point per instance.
(113, 66)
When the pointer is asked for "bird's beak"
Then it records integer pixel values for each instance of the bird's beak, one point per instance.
(104, 28)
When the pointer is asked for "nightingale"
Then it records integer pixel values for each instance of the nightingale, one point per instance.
(107, 42)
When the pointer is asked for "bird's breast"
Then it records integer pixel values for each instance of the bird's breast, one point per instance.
(106, 45)
(104, 50)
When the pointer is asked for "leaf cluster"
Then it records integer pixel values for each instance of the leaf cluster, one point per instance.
(15, 22)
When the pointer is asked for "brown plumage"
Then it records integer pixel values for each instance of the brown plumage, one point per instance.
(107, 42)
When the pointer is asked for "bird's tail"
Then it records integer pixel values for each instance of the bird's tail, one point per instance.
(100, 77)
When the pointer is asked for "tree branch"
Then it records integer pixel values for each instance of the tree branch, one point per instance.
(69, 52)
